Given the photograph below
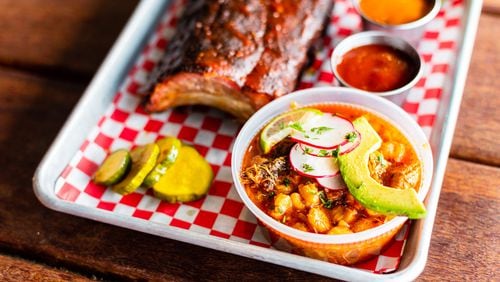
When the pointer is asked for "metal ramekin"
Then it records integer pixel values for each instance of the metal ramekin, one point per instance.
(378, 37)
(412, 31)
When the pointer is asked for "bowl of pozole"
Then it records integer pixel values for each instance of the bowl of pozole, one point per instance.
(333, 172)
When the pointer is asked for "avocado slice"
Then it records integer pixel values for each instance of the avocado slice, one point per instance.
(371, 194)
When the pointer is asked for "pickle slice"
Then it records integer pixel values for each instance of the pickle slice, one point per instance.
(169, 150)
(143, 161)
(188, 179)
(113, 169)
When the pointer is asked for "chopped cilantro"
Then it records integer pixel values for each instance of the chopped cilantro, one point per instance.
(307, 167)
(327, 203)
(286, 182)
(297, 126)
(381, 160)
(307, 150)
(320, 130)
(351, 136)
(335, 152)
(323, 153)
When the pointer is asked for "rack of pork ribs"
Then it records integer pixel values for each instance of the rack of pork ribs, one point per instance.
(236, 55)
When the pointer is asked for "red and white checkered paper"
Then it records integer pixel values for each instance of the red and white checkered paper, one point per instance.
(221, 213)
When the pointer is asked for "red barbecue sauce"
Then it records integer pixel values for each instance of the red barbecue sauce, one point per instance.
(376, 68)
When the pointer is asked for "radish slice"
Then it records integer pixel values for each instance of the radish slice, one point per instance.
(349, 146)
(317, 152)
(333, 183)
(344, 149)
(312, 166)
(327, 131)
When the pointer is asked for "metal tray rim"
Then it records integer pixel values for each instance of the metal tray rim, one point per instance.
(108, 78)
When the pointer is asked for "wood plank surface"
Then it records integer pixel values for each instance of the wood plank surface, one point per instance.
(60, 36)
(16, 269)
(477, 137)
(491, 6)
(55, 65)
(465, 242)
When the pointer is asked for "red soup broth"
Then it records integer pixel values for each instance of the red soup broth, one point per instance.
(376, 68)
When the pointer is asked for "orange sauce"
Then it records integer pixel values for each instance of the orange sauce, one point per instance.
(376, 68)
(395, 12)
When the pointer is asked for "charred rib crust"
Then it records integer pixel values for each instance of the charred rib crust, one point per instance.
(236, 55)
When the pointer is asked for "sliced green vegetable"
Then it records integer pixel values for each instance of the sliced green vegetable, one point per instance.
(366, 190)
(143, 160)
(114, 168)
(188, 179)
(169, 150)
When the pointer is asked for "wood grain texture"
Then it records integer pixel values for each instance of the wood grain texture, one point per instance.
(16, 269)
(491, 6)
(59, 36)
(465, 242)
(33, 108)
(477, 135)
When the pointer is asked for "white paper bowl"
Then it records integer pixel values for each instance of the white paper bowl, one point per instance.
(345, 248)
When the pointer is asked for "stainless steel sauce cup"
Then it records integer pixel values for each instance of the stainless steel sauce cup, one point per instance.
(377, 37)
(411, 32)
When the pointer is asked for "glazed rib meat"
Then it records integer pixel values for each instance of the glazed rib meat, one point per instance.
(236, 55)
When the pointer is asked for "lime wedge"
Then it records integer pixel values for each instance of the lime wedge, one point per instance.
(283, 125)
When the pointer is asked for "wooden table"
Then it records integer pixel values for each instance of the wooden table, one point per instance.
(50, 49)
